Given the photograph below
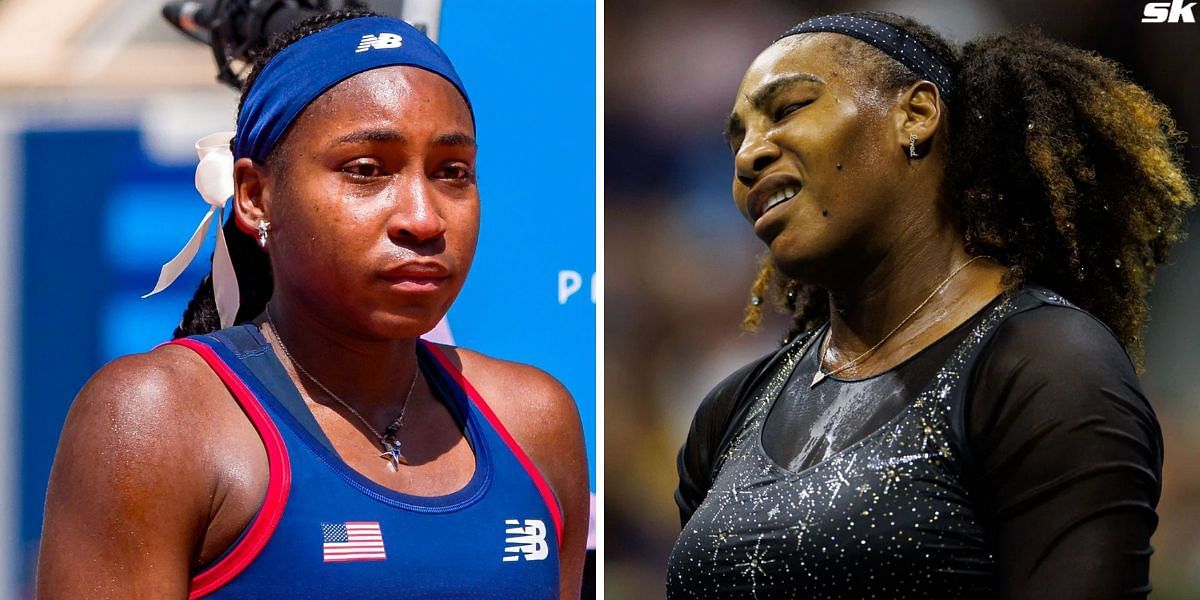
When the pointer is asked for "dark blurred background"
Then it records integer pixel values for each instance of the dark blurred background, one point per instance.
(680, 259)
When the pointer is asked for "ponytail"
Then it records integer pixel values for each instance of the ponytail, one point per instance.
(1068, 173)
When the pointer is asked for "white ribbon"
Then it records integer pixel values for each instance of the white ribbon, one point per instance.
(214, 181)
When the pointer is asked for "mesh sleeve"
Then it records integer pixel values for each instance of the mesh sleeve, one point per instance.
(1068, 458)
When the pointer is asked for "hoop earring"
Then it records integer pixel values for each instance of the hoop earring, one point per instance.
(263, 227)
(912, 145)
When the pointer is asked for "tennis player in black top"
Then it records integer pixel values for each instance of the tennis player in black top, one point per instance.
(965, 238)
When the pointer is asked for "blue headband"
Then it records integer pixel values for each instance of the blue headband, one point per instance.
(306, 69)
(897, 44)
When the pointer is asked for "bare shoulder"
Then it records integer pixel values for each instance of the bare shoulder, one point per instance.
(536, 409)
(134, 413)
(135, 476)
(148, 376)
(141, 394)
(523, 396)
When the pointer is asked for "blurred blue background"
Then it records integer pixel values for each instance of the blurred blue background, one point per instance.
(99, 108)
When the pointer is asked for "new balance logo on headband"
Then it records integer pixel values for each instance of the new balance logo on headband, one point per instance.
(382, 41)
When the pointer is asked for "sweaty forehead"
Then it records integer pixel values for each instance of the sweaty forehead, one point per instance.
(394, 91)
(822, 55)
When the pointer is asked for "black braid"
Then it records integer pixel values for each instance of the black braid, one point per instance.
(253, 269)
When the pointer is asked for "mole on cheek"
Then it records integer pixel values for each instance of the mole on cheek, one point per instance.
(824, 212)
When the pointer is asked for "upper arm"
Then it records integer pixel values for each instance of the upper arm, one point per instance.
(543, 418)
(127, 498)
(1069, 458)
(697, 457)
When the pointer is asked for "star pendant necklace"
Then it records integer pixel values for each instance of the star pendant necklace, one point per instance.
(820, 375)
(387, 439)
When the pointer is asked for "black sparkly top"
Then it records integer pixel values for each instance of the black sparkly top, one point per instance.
(1016, 457)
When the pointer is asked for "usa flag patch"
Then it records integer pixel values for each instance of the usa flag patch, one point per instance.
(352, 541)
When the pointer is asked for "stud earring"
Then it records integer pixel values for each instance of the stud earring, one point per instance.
(912, 145)
(263, 227)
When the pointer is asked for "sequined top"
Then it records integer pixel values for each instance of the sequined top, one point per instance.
(987, 481)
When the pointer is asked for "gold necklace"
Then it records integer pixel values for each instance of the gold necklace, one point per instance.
(391, 445)
(820, 375)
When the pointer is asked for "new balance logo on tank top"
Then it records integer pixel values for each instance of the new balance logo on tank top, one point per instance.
(325, 531)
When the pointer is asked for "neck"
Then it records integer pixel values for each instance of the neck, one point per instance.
(372, 375)
(865, 312)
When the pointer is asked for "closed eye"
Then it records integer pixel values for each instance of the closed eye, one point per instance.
(790, 108)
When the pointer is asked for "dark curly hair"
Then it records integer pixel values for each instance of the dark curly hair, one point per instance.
(1059, 167)
(252, 264)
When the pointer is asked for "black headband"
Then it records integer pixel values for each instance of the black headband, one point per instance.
(894, 42)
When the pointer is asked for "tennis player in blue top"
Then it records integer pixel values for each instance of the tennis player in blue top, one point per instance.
(298, 439)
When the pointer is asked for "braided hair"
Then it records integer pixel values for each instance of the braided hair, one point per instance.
(252, 265)
(1059, 166)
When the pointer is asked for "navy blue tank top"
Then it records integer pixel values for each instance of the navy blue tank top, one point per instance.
(325, 531)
